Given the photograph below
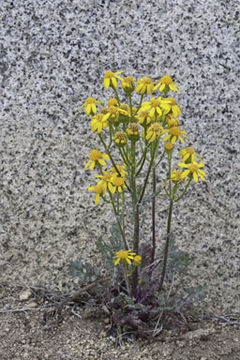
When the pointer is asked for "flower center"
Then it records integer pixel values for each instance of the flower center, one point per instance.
(109, 74)
(113, 110)
(107, 177)
(146, 81)
(168, 146)
(98, 189)
(190, 150)
(124, 107)
(167, 80)
(120, 135)
(172, 122)
(122, 254)
(155, 102)
(129, 80)
(118, 181)
(133, 127)
(112, 102)
(172, 101)
(99, 117)
(175, 131)
(156, 127)
(178, 176)
(95, 155)
(193, 168)
(90, 100)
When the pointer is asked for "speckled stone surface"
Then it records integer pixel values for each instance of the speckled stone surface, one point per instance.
(53, 55)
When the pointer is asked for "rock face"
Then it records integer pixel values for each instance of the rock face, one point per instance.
(53, 55)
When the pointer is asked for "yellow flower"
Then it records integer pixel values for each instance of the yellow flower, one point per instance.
(177, 176)
(193, 169)
(99, 122)
(154, 131)
(105, 181)
(90, 106)
(112, 102)
(154, 105)
(121, 169)
(166, 83)
(111, 113)
(125, 256)
(118, 183)
(174, 133)
(168, 147)
(144, 85)
(99, 191)
(128, 84)
(133, 131)
(172, 122)
(188, 154)
(137, 260)
(144, 117)
(169, 105)
(110, 79)
(96, 157)
(120, 138)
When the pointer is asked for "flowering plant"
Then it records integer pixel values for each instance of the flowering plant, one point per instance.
(135, 141)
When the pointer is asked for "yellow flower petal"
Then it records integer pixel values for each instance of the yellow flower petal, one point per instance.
(195, 177)
(87, 164)
(92, 165)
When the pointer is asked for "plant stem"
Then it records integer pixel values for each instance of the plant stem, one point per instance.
(147, 176)
(136, 248)
(167, 244)
(116, 93)
(118, 222)
(123, 212)
(135, 208)
(153, 216)
(125, 274)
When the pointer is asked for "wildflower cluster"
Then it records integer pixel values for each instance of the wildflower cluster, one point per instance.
(135, 140)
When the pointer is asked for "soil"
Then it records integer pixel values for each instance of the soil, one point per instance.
(30, 329)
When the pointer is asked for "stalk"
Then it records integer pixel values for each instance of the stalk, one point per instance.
(118, 222)
(167, 244)
(116, 94)
(171, 197)
(153, 216)
(135, 214)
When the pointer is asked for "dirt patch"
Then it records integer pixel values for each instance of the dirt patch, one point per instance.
(82, 333)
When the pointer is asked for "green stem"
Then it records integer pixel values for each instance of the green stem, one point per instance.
(141, 99)
(130, 104)
(153, 214)
(167, 244)
(125, 160)
(123, 212)
(135, 208)
(147, 176)
(160, 159)
(125, 274)
(118, 222)
(116, 93)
